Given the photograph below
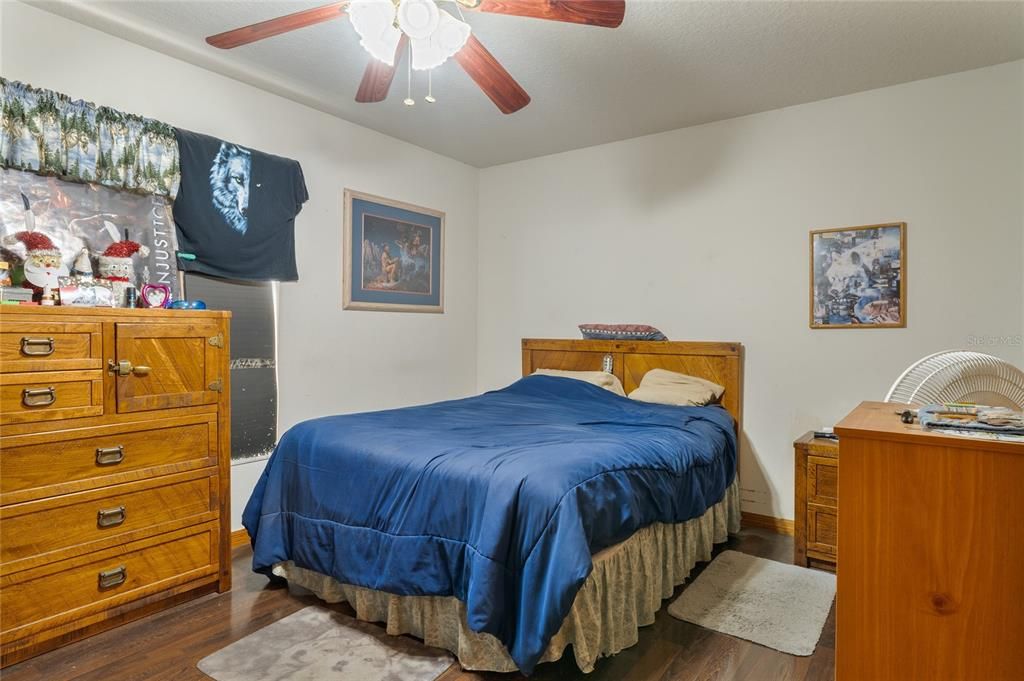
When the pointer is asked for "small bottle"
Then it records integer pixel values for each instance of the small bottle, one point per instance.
(131, 296)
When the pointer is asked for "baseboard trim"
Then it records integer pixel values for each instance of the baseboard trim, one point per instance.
(767, 522)
(239, 538)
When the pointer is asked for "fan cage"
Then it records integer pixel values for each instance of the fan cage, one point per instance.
(954, 375)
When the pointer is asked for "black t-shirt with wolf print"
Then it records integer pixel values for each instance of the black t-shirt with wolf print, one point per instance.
(235, 210)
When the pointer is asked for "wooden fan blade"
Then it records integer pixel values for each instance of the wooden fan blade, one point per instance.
(491, 76)
(606, 13)
(272, 27)
(378, 76)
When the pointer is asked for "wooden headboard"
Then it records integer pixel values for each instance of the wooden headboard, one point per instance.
(714, 361)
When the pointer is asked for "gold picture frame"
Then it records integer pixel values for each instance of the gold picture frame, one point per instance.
(858, 277)
(397, 262)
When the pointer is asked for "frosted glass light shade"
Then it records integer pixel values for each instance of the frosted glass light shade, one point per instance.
(374, 21)
(418, 18)
(447, 38)
(434, 35)
(383, 48)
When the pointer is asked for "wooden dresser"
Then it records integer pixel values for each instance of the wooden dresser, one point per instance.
(114, 468)
(932, 545)
(817, 502)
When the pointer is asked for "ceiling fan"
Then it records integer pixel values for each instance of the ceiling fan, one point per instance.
(387, 27)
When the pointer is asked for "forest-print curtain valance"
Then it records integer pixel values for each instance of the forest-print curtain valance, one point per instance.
(51, 134)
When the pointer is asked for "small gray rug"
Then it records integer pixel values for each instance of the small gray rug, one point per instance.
(777, 605)
(316, 643)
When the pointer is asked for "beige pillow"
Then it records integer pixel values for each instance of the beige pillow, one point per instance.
(667, 387)
(600, 378)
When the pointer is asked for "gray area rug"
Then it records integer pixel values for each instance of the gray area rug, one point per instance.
(777, 605)
(316, 643)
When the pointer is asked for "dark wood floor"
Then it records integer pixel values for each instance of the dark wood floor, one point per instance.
(167, 645)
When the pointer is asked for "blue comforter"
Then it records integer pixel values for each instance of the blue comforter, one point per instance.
(498, 500)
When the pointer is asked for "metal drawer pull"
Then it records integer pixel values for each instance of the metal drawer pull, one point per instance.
(108, 456)
(110, 517)
(109, 578)
(37, 347)
(38, 397)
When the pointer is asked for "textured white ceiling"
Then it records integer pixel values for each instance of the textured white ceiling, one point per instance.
(671, 64)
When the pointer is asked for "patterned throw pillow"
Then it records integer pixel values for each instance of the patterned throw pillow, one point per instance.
(621, 332)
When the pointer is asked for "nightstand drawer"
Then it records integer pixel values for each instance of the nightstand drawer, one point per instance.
(823, 481)
(822, 528)
(87, 521)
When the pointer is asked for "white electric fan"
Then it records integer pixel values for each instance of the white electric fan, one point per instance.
(960, 376)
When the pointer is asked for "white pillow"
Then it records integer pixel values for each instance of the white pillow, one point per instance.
(599, 378)
(668, 387)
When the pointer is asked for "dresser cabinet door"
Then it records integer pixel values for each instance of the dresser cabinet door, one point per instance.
(160, 366)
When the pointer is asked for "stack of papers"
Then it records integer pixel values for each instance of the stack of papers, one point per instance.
(998, 419)
(1001, 416)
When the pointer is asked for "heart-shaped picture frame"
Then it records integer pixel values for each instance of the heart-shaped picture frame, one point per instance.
(155, 295)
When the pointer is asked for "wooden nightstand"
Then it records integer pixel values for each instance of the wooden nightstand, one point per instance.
(817, 504)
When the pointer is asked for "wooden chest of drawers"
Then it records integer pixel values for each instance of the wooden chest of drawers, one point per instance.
(817, 502)
(114, 468)
(933, 547)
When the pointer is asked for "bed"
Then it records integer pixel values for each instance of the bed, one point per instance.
(508, 526)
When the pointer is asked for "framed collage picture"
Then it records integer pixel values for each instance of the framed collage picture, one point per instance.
(859, 277)
(393, 255)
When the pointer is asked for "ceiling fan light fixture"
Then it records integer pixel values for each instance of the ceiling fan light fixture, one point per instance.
(448, 37)
(451, 34)
(374, 21)
(383, 48)
(418, 19)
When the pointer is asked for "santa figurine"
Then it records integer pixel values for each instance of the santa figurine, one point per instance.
(116, 266)
(82, 267)
(43, 262)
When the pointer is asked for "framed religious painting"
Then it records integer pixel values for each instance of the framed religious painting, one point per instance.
(393, 255)
(859, 277)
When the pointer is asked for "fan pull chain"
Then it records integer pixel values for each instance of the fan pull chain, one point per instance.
(430, 87)
(409, 101)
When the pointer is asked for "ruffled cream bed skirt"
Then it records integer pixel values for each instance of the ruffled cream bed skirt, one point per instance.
(628, 583)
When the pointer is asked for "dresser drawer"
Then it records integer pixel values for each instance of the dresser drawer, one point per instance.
(50, 595)
(42, 465)
(73, 523)
(50, 395)
(50, 346)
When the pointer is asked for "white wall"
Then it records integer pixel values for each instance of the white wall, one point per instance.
(703, 232)
(330, 361)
